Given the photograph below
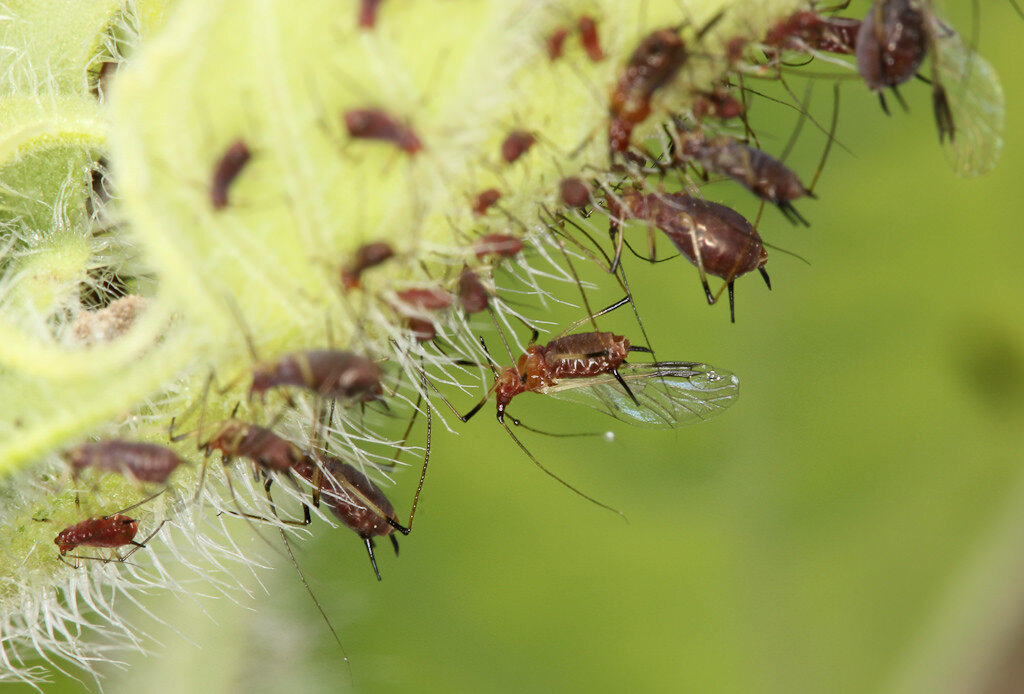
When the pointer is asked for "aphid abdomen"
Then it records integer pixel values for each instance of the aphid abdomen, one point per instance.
(146, 462)
(113, 531)
(348, 508)
(724, 241)
(263, 447)
(585, 354)
(891, 44)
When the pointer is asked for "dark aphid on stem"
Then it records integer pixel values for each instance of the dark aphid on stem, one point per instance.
(358, 503)
(891, 45)
(416, 303)
(368, 13)
(718, 240)
(473, 295)
(654, 62)
(574, 192)
(485, 200)
(756, 170)
(228, 167)
(516, 145)
(807, 30)
(365, 257)
(499, 245)
(589, 38)
(377, 124)
(555, 43)
(145, 462)
(328, 373)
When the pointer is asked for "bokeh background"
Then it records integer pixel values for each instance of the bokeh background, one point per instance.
(855, 523)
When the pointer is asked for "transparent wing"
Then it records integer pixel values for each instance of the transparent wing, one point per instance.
(975, 100)
(670, 393)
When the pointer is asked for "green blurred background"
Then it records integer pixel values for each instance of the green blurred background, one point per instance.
(855, 523)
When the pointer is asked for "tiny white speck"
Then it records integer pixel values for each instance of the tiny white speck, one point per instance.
(609, 436)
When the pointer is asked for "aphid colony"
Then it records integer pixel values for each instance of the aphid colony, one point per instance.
(592, 367)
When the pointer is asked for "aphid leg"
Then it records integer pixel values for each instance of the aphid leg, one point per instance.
(423, 471)
(140, 545)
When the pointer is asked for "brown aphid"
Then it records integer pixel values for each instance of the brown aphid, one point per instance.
(719, 103)
(555, 43)
(654, 62)
(485, 200)
(226, 171)
(574, 192)
(891, 45)
(516, 145)
(718, 240)
(473, 295)
(806, 30)
(368, 13)
(267, 450)
(425, 298)
(589, 38)
(500, 245)
(365, 257)
(328, 373)
(756, 170)
(377, 124)
(146, 462)
(357, 502)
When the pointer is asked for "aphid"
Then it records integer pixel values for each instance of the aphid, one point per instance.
(328, 373)
(718, 240)
(368, 13)
(516, 145)
(270, 452)
(473, 295)
(654, 62)
(590, 368)
(717, 102)
(358, 503)
(146, 462)
(377, 124)
(226, 171)
(806, 30)
(425, 298)
(574, 192)
(756, 170)
(555, 43)
(500, 245)
(113, 531)
(891, 45)
(365, 257)
(485, 200)
(589, 39)
(966, 96)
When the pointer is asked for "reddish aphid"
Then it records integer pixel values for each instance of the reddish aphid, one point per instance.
(358, 503)
(145, 462)
(226, 171)
(516, 145)
(806, 30)
(654, 62)
(109, 531)
(368, 13)
(377, 124)
(485, 200)
(574, 192)
(328, 373)
(555, 43)
(716, 239)
(473, 295)
(719, 103)
(272, 453)
(365, 257)
(415, 302)
(500, 245)
(762, 174)
(589, 38)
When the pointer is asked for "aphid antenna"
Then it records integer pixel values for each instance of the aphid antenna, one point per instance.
(316, 602)
(828, 142)
(555, 477)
